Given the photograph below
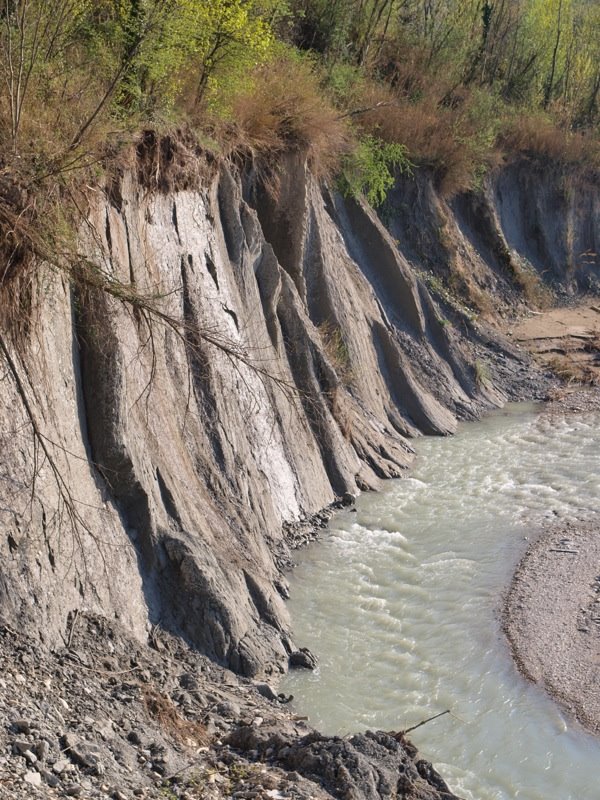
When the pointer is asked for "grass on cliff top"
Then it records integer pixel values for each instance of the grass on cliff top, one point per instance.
(359, 94)
(260, 77)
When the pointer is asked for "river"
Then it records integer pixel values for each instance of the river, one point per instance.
(401, 602)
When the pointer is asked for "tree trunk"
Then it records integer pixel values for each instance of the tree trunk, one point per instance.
(550, 83)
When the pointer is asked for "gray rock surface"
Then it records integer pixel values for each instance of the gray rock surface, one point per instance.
(366, 766)
(303, 658)
(178, 463)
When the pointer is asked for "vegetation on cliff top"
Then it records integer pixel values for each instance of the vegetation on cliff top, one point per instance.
(450, 80)
(361, 87)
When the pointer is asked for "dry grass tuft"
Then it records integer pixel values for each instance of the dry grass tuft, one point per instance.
(450, 140)
(16, 212)
(573, 372)
(162, 711)
(406, 68)
(285, 109)
(535, 291)
(336, 351)
(22, 220)
(536, 135)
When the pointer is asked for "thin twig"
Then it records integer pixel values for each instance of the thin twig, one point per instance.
(425, 721)
(356, 111)
(72, 629)
(80, 663)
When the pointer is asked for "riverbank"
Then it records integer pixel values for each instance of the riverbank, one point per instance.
(551, 617)
(101, 715)
(565, 340)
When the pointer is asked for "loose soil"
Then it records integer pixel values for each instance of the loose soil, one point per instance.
(101, 715)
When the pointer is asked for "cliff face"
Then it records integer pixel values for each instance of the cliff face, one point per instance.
(166, 458)
(529, 222)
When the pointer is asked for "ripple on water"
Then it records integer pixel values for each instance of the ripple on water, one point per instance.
(400, 602)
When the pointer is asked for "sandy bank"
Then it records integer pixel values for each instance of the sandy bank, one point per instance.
(552, 617)
(564, 339)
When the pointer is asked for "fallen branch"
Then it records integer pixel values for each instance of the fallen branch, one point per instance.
(356, 111)
(72, 628)
(425, 721)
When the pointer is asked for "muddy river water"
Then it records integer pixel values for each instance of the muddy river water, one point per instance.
(401, 599)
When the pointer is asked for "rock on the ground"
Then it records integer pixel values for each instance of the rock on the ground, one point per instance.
(127, 737)
(303, 658)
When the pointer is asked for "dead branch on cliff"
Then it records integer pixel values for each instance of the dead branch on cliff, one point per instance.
(67, 502)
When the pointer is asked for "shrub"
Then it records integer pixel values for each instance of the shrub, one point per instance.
(537, 135)
(529, 281)
(371, 168)
(52, 88)
(282, 107)
(454, 140)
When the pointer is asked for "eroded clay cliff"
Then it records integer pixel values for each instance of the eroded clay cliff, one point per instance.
(147, 468)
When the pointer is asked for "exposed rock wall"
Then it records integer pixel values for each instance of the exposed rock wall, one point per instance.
(170, 456)
(552, 219)
(528, 218)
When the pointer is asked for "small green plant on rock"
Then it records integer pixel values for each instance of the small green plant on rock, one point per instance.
(482, 374)
(438, 288)
(371, 169)
(528, 279)
(336, 350)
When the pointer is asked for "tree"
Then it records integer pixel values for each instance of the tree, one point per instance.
(555, 50)
(35, 38)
